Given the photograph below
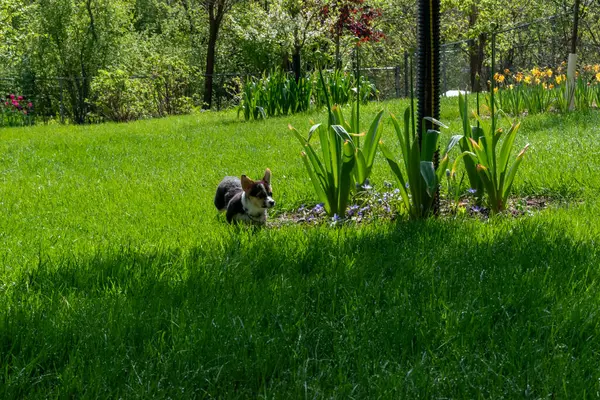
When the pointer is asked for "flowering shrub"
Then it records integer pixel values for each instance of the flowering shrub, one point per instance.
(16, 111)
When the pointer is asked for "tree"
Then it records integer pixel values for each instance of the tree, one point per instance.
(215, 10)
(77, 38)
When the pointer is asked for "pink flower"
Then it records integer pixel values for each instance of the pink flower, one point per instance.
(12, 96)
(15, 103)
(29, 105)
(6, 104)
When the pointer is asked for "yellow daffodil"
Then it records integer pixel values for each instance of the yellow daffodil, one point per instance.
(598, 77)
(558, 79)
(549, 73)
(495, 90)
(518, 77)
(551, 86)
(527, 79)
(536, 72)
(597, 68)
(537, 81)
(511, 86)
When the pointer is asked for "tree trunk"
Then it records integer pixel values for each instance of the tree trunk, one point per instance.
(338, 57)
(296, 64)
(476, 49)
(210, 64)
(575, 28)
(476, 55)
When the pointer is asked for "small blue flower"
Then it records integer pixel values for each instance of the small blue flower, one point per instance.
(406, 185)
(387, 209)
(396, 191)
(387, 184)
(472, 191)
(476, 209)
(318, 208)
(352, 210)
(335, 218)
(301, 207)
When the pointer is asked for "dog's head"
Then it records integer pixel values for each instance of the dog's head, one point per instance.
(259, 193)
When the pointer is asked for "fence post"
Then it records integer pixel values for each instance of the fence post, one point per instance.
(397, 80)
(62, 107)
(406, 74)
(218, 92)
(444, 70)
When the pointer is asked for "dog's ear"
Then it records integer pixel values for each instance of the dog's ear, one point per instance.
(267, 177)
(246, 183)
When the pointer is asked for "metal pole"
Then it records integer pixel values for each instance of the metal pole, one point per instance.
(62, 107)
(397, 80)
(406, 73)
(444, 64)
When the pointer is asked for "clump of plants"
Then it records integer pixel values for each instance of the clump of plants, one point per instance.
(544, 89)
(417, 175)
(278, 93)
(344, 164)
(489, 147)
(16, 111)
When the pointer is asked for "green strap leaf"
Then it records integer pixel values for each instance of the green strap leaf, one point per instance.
(428, 174)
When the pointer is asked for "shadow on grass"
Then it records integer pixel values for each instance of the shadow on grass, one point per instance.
(434, 308)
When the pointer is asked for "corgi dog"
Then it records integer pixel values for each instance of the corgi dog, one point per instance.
(245, 200)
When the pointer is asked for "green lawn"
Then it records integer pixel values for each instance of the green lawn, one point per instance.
(118, 279)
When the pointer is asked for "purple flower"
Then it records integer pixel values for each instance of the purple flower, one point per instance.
(365, 185)
(406, 185)
(301, 207)
(386, 209)
(396, 191)
(318, 208)
(476, 209)
(352, 210)
(336, 218)
(472, 191)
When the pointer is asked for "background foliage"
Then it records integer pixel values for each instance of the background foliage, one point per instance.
(41, 40)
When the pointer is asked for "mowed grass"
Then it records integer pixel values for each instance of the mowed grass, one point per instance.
(118, 279)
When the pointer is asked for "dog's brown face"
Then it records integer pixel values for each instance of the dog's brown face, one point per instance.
(259, 193)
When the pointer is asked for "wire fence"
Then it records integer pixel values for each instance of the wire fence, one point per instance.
(541, 43)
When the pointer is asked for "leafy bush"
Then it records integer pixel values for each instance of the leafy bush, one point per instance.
(120, 98)
(117, 96)
(173, 82)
